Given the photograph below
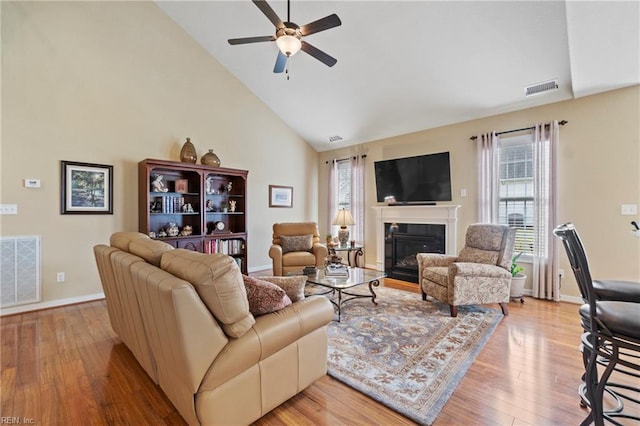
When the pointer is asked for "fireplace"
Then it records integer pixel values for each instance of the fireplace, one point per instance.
(420, 229)
(403, 241)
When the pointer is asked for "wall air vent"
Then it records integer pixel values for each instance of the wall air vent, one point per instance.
(334, 139)
(538, 88)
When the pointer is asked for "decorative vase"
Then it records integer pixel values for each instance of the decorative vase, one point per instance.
(188, 152)
(210, 159)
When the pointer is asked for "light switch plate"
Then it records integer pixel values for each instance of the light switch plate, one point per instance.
(629, 209)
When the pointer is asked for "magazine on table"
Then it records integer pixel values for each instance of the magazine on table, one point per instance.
(336, 270)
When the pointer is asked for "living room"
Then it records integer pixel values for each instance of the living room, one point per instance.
(71, 92)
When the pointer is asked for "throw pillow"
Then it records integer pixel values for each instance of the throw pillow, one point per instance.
(293, 286)
(264, 297)
(296, 243)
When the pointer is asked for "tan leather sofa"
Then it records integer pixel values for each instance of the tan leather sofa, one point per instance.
(312, 254)
(184, 316)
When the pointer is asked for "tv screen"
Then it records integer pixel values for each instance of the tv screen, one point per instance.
(420, 179)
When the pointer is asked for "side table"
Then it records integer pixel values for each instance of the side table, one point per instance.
(356, 249)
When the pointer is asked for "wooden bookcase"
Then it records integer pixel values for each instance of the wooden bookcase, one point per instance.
(212, 201)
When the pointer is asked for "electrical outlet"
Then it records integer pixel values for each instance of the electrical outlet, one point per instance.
(8, 209)
(60, 277)
(561, 273)
(629, 209)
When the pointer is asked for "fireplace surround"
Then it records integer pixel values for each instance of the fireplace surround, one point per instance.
(412, 219)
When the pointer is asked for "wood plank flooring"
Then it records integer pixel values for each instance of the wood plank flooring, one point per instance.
(65, 366)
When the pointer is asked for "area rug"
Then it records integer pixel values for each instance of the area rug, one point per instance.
(407, 353)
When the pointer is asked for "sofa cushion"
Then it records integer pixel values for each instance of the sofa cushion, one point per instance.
(475, 255)
(299, 258)
(148, 249)
(291, 243)
(293, 286)
(218, 281)
(122, 240)
(264, 297)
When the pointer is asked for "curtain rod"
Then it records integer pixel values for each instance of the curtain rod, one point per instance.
(562, 123)
(340, 159)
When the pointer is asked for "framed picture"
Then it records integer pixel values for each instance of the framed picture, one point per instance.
(86, 188)
(182, 185)
(280, 196)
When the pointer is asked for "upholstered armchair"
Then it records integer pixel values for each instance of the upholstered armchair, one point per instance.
(478, 275)
(296, 245)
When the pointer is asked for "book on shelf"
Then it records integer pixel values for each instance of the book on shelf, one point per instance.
(336, 270)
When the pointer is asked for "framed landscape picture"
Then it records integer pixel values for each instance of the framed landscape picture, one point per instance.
(280, 196)
(86, 188)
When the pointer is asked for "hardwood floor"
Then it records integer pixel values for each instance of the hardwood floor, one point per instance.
(65, 366)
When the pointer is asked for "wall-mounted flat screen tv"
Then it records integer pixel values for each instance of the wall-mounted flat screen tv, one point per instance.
(420, 179)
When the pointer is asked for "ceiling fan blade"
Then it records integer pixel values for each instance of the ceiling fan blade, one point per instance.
(269, 13)
(321, 24)
(319, 54)
(281, 62)
(246, 40)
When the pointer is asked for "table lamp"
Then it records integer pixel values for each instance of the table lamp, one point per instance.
(344, 219)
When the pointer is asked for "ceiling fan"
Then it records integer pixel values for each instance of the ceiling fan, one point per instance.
(289, 35)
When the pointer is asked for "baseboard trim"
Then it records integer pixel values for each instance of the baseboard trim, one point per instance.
(50, 304)
(259, 268)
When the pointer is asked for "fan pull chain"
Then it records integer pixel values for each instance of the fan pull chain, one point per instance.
(286, 70)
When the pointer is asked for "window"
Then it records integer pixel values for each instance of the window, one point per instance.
(343, 184)
(516, 196)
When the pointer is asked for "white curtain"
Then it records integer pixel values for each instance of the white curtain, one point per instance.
(332, 205)
(357, 198)
(488, 178)
(546, 282)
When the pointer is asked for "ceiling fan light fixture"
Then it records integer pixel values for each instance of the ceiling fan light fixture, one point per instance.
(288, 44)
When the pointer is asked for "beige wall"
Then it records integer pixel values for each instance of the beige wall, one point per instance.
(599, 169)
(114, 83)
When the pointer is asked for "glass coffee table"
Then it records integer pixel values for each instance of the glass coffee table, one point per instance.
(342, 285)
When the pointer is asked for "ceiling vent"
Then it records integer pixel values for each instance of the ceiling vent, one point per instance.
(334, 139)
(538, 88)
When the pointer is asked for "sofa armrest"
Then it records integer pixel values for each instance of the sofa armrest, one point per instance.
(320, 251)
(433, 259)
(275, 253)
(271, 333)
(477, 270)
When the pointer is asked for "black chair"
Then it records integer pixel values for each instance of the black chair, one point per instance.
(611, 339)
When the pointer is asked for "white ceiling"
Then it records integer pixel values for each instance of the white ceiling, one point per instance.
(406, 66)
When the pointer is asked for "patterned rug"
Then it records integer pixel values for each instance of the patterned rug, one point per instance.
(406, 353)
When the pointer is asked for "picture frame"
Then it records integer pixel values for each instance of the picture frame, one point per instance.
(280, 196)
(86, 188)
(182, 186)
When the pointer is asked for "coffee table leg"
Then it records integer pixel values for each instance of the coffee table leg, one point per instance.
(374, 283)
(339, 305)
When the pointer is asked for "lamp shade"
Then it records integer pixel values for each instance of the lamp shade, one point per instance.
(343, 218)
(288, 44)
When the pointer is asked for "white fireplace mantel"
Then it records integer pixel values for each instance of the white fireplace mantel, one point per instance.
(446, 215)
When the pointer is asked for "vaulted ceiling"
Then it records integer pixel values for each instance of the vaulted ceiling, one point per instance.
(406, 66)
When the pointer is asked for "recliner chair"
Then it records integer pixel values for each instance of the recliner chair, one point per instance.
(478, 275)
(296, 245)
